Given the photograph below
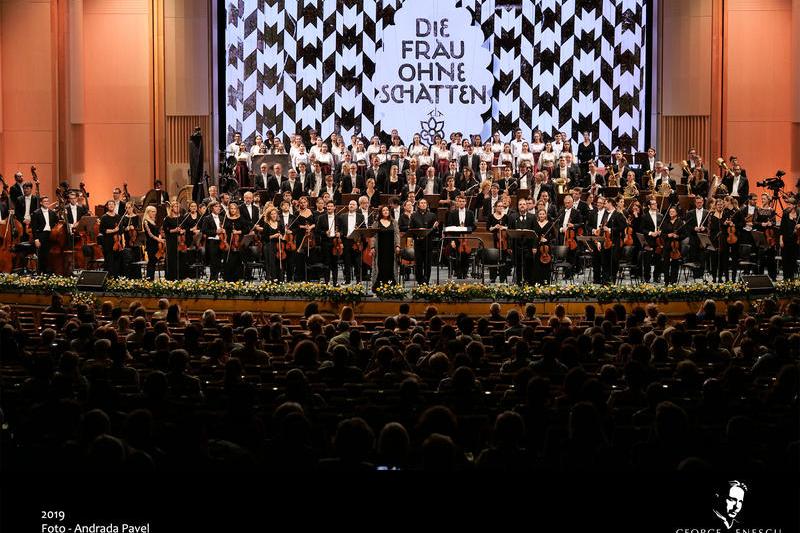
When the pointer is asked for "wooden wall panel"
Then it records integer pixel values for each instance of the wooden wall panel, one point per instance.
(678, 133)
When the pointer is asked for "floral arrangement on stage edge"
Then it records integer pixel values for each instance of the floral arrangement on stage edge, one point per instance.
(445, 292)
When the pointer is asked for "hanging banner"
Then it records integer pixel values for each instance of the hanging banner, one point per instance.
(432, 75)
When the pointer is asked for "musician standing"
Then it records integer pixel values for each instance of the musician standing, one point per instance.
(132, 251)
(43, 220)
(152, 232)
(570, 218)
(544, 230)
(765, 221)
(423, 219)
(191, 228)
(651, 228)
(233, 233)
(211, 227)
(109, 226)
(172, 229)
(463, 218)
(521, 248)
(349, 222)
(673, 232)
(697, 223)
(286, 222)
(329, 228)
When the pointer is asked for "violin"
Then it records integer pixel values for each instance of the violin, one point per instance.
(182, 242)
(338, 246)
(502, 239)
(570, 237)
(223, 240)
(119, 238)
(236, 241)
(544, 254)
(675, 249)
(162, 248)
(607, 242)
(732, 238)
(628, 240)
(281, 248)
(290, 245)
(769, 234)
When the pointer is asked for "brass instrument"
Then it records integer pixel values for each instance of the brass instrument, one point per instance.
(685, 166)
(613, 179)
(722, 164)
(631, 190)
(561, 185)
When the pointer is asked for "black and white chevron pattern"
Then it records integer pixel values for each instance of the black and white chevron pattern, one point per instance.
(558, 65)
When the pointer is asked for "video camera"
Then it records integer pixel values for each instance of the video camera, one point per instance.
(775, 183)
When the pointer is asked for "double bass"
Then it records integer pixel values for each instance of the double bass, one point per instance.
(10, 234)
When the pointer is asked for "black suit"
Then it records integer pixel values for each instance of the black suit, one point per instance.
(248, 219)
(322, 227)
(15, 191)
(347, 183)
(522, 248)
(649, 257)
(296, 189)
(696, 252)
(352, 258)
(437, 185)
(422, 245)
(461, 259)
(576, 220)
(589, 180)
(19, 207)
(603, 260)
(743, 189)
(473, 161)
(38, 225)
(82, 211)
(209, 229)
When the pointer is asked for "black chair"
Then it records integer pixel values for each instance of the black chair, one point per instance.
(560, 262)
(746, 263)
(491, 258)
(627, 264)
(407, 255)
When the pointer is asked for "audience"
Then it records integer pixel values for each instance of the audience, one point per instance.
(615, 389)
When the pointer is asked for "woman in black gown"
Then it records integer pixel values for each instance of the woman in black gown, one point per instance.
(304, 225)
(172, 229)
(233, 256)
(394, 183)
(387, 246)
(191, 227)
(544, 230)
(673, 230)
(586, 153)
(496, 223)
(272, 232)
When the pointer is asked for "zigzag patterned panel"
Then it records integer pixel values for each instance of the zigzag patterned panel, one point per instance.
(558, 65)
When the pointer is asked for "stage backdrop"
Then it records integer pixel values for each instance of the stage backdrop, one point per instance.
(427, 66)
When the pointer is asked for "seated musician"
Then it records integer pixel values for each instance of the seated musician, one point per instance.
(161, 196)
(213, 196)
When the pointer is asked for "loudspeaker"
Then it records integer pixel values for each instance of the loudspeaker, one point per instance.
(758, 284)
(92, 280)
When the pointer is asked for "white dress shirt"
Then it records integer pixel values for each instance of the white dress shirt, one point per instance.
(462, 217)
(46, 214)
(215, 218)
(351, 223)
(331, 226)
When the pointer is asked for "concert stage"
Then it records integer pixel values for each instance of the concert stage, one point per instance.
(450, 298)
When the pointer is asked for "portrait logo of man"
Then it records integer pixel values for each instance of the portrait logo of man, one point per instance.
(728, 501)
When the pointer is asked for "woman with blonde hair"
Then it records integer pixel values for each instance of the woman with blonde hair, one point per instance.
(154, 239)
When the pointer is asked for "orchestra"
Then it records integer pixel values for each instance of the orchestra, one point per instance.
(538, 205)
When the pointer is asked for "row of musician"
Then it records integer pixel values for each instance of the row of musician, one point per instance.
(118, 235)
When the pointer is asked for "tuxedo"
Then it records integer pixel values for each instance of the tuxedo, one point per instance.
(422, 245)
(351, 257)
(743, 188)
(15, 192)
(522, 248)
(296, 189)
(414, 188)
(454, 218)
(80, 212)
(261, 181)
(347, 183)
(472, 161)
(19, 207)
(488, 205)
(42, 225)
(590, 180)
(274, 185)
(437, 185)
(649, 257)
(248, 219)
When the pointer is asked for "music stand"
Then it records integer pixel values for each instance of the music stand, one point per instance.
(433, 200)
(419, 233)
(519, 235)
(363, 233)
(705, 242)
